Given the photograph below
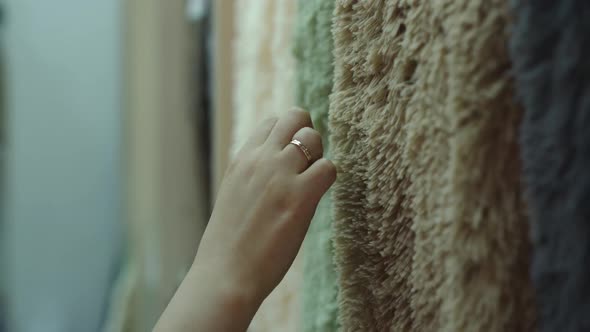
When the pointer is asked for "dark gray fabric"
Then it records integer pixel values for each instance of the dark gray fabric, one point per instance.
(550, 49)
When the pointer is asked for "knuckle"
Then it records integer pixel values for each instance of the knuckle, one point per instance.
(300, 114)
(311, 137)
(309, 132)
(298, 111)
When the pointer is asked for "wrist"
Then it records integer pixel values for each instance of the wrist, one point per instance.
(209, 302)
(225, 292)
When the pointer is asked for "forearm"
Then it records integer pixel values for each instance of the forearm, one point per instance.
(205, 304)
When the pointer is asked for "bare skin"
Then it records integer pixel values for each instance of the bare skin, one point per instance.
(265, 204)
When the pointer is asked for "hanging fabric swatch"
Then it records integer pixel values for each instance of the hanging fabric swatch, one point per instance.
(167, 185)
(263, 87)
(264, 65)
(550, 51)
(313, 50)
(430, 228)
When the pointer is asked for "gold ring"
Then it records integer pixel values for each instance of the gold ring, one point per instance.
(303, 148)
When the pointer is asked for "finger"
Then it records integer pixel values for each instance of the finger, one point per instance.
(286, 127)
(296, 159)
(317, 179)
(260, 135)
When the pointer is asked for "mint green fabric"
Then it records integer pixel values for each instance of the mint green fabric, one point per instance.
(313, 52)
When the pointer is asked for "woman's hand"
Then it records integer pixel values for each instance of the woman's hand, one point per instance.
(264, 207)
(267, 199)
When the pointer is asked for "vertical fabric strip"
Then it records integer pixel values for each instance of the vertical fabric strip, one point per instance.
(313, 51)
(373, 235)
(550, 49)
(430, 227)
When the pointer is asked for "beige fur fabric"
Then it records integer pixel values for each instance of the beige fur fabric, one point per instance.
(264, 86)
(430, 231)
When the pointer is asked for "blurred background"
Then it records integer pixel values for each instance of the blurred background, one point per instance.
(113, 135)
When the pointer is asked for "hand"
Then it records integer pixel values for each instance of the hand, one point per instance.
(264, 207)
(267, 199)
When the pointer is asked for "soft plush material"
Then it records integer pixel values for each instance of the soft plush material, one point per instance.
(430, 227)
(264, 67)
(551, 51)
(313, 51)
(264, 86)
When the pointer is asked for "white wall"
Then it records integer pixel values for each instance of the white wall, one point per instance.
(64, 233)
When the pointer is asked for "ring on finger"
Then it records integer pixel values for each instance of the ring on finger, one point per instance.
(303, 149)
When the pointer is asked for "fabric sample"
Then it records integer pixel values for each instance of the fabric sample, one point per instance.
(430, 228)
(167, 185)
(550, 48)
(313, 51)
(264, 86)
(264, 65)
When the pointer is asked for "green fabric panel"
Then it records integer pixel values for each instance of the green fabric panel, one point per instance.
(313, 52)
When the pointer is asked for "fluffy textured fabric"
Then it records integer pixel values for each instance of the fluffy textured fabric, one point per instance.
(313, 51)
(430, 228)
(551, 51)
(264, 86)
(264, 64)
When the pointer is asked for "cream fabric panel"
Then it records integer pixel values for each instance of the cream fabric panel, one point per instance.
(263, 80)
(166, 186)
(264, 66)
